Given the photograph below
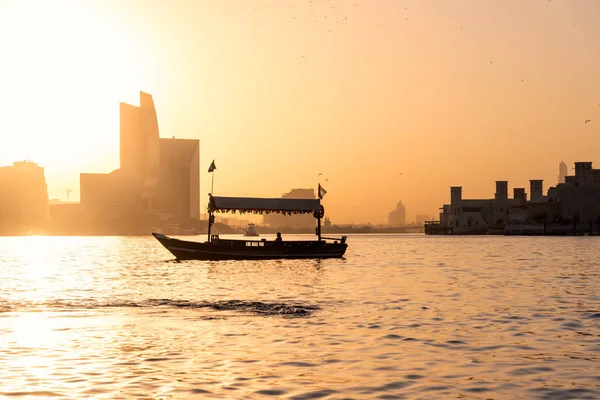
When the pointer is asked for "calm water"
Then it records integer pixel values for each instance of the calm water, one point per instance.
(403, 316)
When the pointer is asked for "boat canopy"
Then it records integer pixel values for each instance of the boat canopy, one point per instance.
(263, 206)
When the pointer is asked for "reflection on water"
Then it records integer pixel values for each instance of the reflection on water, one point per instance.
(401, 316)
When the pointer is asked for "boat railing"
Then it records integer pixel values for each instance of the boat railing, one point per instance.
(342, 239)
(268, 243)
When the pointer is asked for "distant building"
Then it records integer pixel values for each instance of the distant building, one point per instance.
(477, 215)
(562, 172)
(179, 178)
(295, 221)
(24, 200)
(398, 216)
(580, 194)
(576, 201)
(158, 179)
(109, 196)
(140, 149)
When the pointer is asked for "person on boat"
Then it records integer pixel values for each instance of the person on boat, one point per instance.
(278, 238)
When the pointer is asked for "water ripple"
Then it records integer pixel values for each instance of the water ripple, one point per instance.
(402, 316)
(254, 307)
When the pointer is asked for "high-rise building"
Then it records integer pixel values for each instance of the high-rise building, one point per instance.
(398, 216)
(179, 178)
(140, 148)
(156, 176)
(563, 171)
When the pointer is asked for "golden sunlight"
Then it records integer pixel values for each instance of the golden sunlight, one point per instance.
(61, 52)
(33, 266)
(38, 269)
(34, 330)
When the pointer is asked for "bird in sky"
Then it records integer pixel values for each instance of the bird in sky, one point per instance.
(587, 120)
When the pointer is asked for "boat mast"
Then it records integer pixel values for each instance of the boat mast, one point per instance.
(210, 215)
(319, 228)
(319, 214)
(210, 222)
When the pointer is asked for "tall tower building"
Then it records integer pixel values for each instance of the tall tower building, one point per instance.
(179, 178)
(140, 148)
(139, 137)
(562, 172)
(156, 176)
(398, 216)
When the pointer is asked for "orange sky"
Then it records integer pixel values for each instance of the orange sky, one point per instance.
(444, 92)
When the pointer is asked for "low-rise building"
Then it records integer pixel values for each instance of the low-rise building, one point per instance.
(24, 200)
(576, 202)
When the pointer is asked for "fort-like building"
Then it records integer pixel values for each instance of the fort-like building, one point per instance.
(570, 206)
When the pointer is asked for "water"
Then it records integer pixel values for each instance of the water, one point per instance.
(403, 316)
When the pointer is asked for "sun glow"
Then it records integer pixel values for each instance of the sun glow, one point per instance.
(59, 52)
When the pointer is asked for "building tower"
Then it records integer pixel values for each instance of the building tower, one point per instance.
(536, 190)
(398, 216)
(562, 172)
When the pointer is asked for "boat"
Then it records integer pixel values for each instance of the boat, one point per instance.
(251, 231)
(216, 248)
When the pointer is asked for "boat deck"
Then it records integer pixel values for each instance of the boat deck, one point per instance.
(231, 249)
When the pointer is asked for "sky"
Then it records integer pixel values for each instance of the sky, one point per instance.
(389, 100)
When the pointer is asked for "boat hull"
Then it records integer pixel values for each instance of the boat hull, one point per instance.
(250, 250)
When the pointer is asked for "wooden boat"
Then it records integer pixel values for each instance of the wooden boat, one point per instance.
(216, 248)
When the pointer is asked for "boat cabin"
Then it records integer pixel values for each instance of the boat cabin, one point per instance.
(265, 206)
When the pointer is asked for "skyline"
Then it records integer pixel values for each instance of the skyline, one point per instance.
(459, 94)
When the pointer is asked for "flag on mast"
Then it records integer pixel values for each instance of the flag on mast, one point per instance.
(322, 192)
(212, 166)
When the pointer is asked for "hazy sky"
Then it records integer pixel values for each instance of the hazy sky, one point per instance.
(444, 92)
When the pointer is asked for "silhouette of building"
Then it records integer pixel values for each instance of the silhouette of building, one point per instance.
(110, 196)
(158, 179)
(573, 202)
(470, 216)
(297, 221)
(179, 178)
(24, 200)
(66, 217)
(579, 195)
(562, 172)
(398, 216)
(536, 190)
